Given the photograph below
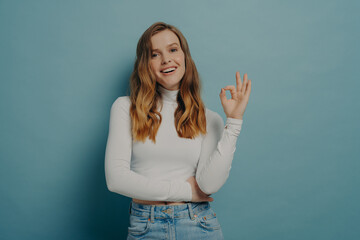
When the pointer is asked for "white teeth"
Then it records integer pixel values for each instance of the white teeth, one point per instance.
(168, 70)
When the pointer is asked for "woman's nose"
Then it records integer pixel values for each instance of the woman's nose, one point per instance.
(166, 59)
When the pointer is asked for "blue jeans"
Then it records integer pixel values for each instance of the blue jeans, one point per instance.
(193, 220)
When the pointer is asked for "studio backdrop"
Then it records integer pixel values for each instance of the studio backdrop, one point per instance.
(295, 173)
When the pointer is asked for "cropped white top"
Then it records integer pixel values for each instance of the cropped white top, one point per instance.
(158, 172)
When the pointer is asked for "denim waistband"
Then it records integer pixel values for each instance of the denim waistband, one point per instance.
(190, 209)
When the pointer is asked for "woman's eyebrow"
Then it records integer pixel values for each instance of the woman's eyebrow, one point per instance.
(167, 46)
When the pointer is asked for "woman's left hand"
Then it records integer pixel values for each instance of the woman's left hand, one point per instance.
(235, 107)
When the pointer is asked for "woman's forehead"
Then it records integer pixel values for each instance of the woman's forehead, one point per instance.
(164, 39)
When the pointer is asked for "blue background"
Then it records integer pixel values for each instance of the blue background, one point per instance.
(295, 174)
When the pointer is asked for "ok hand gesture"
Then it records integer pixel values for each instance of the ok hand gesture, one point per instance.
(235, 107)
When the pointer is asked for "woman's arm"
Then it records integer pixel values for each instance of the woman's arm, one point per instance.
(119, 178)
(219, 144)
(217, 152)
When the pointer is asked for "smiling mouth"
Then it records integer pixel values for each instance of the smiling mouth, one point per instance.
(168, 70)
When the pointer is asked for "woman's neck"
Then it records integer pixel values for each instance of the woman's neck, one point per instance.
(168, 95)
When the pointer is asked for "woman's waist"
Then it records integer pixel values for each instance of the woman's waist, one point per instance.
(156, 202)
(179, 211)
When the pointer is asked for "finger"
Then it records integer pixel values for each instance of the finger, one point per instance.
(248, 89)
(222, 96)
(238, 81)
(210, 199)
(244, 83)
(232, 90)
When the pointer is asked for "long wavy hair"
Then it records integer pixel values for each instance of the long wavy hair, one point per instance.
(190, 120)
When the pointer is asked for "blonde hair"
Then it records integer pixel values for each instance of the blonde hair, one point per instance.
(190, 120)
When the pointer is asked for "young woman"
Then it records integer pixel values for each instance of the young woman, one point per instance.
(165, 149)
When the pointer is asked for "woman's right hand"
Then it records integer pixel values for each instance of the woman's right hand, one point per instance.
(197, 194)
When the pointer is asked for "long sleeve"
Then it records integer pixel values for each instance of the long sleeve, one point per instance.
(120, 178)
(217, 152)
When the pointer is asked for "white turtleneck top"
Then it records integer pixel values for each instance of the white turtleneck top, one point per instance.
(158, 172)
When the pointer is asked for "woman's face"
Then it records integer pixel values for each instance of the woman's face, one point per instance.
(167, 59)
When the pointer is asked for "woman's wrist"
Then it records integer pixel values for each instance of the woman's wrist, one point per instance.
(236, 117)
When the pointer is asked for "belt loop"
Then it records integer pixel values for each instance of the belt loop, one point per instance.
(152, 213)
(190, 211)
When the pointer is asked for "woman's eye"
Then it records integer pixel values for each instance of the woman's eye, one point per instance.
(174, 50)
(154, 55)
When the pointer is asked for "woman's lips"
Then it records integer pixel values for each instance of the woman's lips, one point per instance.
(169, 73)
